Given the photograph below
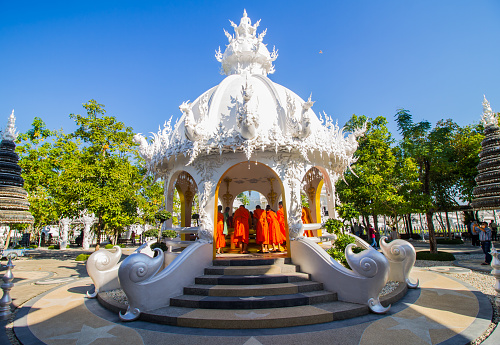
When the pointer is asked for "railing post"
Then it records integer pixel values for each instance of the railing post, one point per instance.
(495, 264)
(7, 285)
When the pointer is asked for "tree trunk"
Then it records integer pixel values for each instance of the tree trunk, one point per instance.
(432, 235)
(410, 226)
(375, 221)
(99, 228)
(448, 225)
(7, 240)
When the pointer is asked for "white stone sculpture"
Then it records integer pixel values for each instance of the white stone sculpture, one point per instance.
(102, 267)
(489, 118)
(64, 229)
(401, 255)
(88, 220)
(147, 289)
(362, 284)
(9, 133)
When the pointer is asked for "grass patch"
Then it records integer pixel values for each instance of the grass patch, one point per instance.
(447, 241)
(110, 246)
(82, 257)
(440, 256)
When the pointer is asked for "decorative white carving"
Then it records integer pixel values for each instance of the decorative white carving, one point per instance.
(294, 172)
(194, 130)
(137, 268)
(10, 131)
(245, 51)
(401, 255)
(205, 233)
(489, 118)
(248, 120)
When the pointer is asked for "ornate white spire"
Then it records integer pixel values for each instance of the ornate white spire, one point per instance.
(489, 118)
(10, 131)
(245, 52)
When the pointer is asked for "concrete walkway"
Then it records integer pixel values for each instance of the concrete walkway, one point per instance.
(50, 294)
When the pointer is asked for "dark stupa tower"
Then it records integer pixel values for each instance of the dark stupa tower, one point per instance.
(14, 205)
(487, 192)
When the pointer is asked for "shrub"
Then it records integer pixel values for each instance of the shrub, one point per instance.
(333, 226)
(18, 247)
(338, 250)
(151, 233)
(447, 241)
(33, 246)
(440, 256)
(82, 257)
(55, 246)
(163, 215)
(169, 233)
(160, 245)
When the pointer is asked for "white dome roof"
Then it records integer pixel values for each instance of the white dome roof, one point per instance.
(271, 105)
(247, 111)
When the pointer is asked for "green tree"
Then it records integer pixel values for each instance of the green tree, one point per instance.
(39, 171)
(100, 178)
(373, 186)
(432, 150)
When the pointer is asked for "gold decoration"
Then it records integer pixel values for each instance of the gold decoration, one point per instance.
(227, 197)
(272, 195)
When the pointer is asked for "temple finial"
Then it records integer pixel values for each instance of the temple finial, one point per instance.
(10, 130)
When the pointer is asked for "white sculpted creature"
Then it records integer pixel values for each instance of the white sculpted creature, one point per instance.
(304, 126)
(489, 118)
(144, 149)
(192, 129)
(351, 143)
(247, 120)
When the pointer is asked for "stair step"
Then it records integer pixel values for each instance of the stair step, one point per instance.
(251, 261)
(255, 318)
(250, 270)
(253, 290)
(253, 302)
(258, 279)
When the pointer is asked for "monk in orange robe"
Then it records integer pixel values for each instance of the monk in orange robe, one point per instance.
(306, 219)
(220, 239)
(241, 228)
(262, 229)
(281, 219)
(275, 235)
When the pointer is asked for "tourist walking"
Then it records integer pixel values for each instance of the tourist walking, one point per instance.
(485, 239)
(371, 236)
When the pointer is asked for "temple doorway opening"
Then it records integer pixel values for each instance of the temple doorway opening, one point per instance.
(256, 188)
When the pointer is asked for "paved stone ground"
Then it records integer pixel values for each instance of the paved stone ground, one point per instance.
(50, 287)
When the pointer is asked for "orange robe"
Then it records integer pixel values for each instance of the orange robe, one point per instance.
(262, 227)
(306, 219)
(241, 227)
(281, 219)
(275, 235)
(220, 239)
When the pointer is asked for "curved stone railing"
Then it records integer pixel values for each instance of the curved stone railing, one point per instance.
(102, 267)
(362, 284)
(401, 255)
(148, 288)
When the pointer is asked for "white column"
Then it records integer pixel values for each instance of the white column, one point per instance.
(63, 241)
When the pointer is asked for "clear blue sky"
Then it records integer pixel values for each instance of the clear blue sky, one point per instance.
(142, 59)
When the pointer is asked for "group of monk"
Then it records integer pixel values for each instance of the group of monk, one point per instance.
(270, 228)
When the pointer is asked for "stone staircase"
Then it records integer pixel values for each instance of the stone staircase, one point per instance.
(239, 293)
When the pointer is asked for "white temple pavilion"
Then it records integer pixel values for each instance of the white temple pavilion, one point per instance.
(249, 133)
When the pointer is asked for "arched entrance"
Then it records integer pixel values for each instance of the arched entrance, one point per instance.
(250, 176)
